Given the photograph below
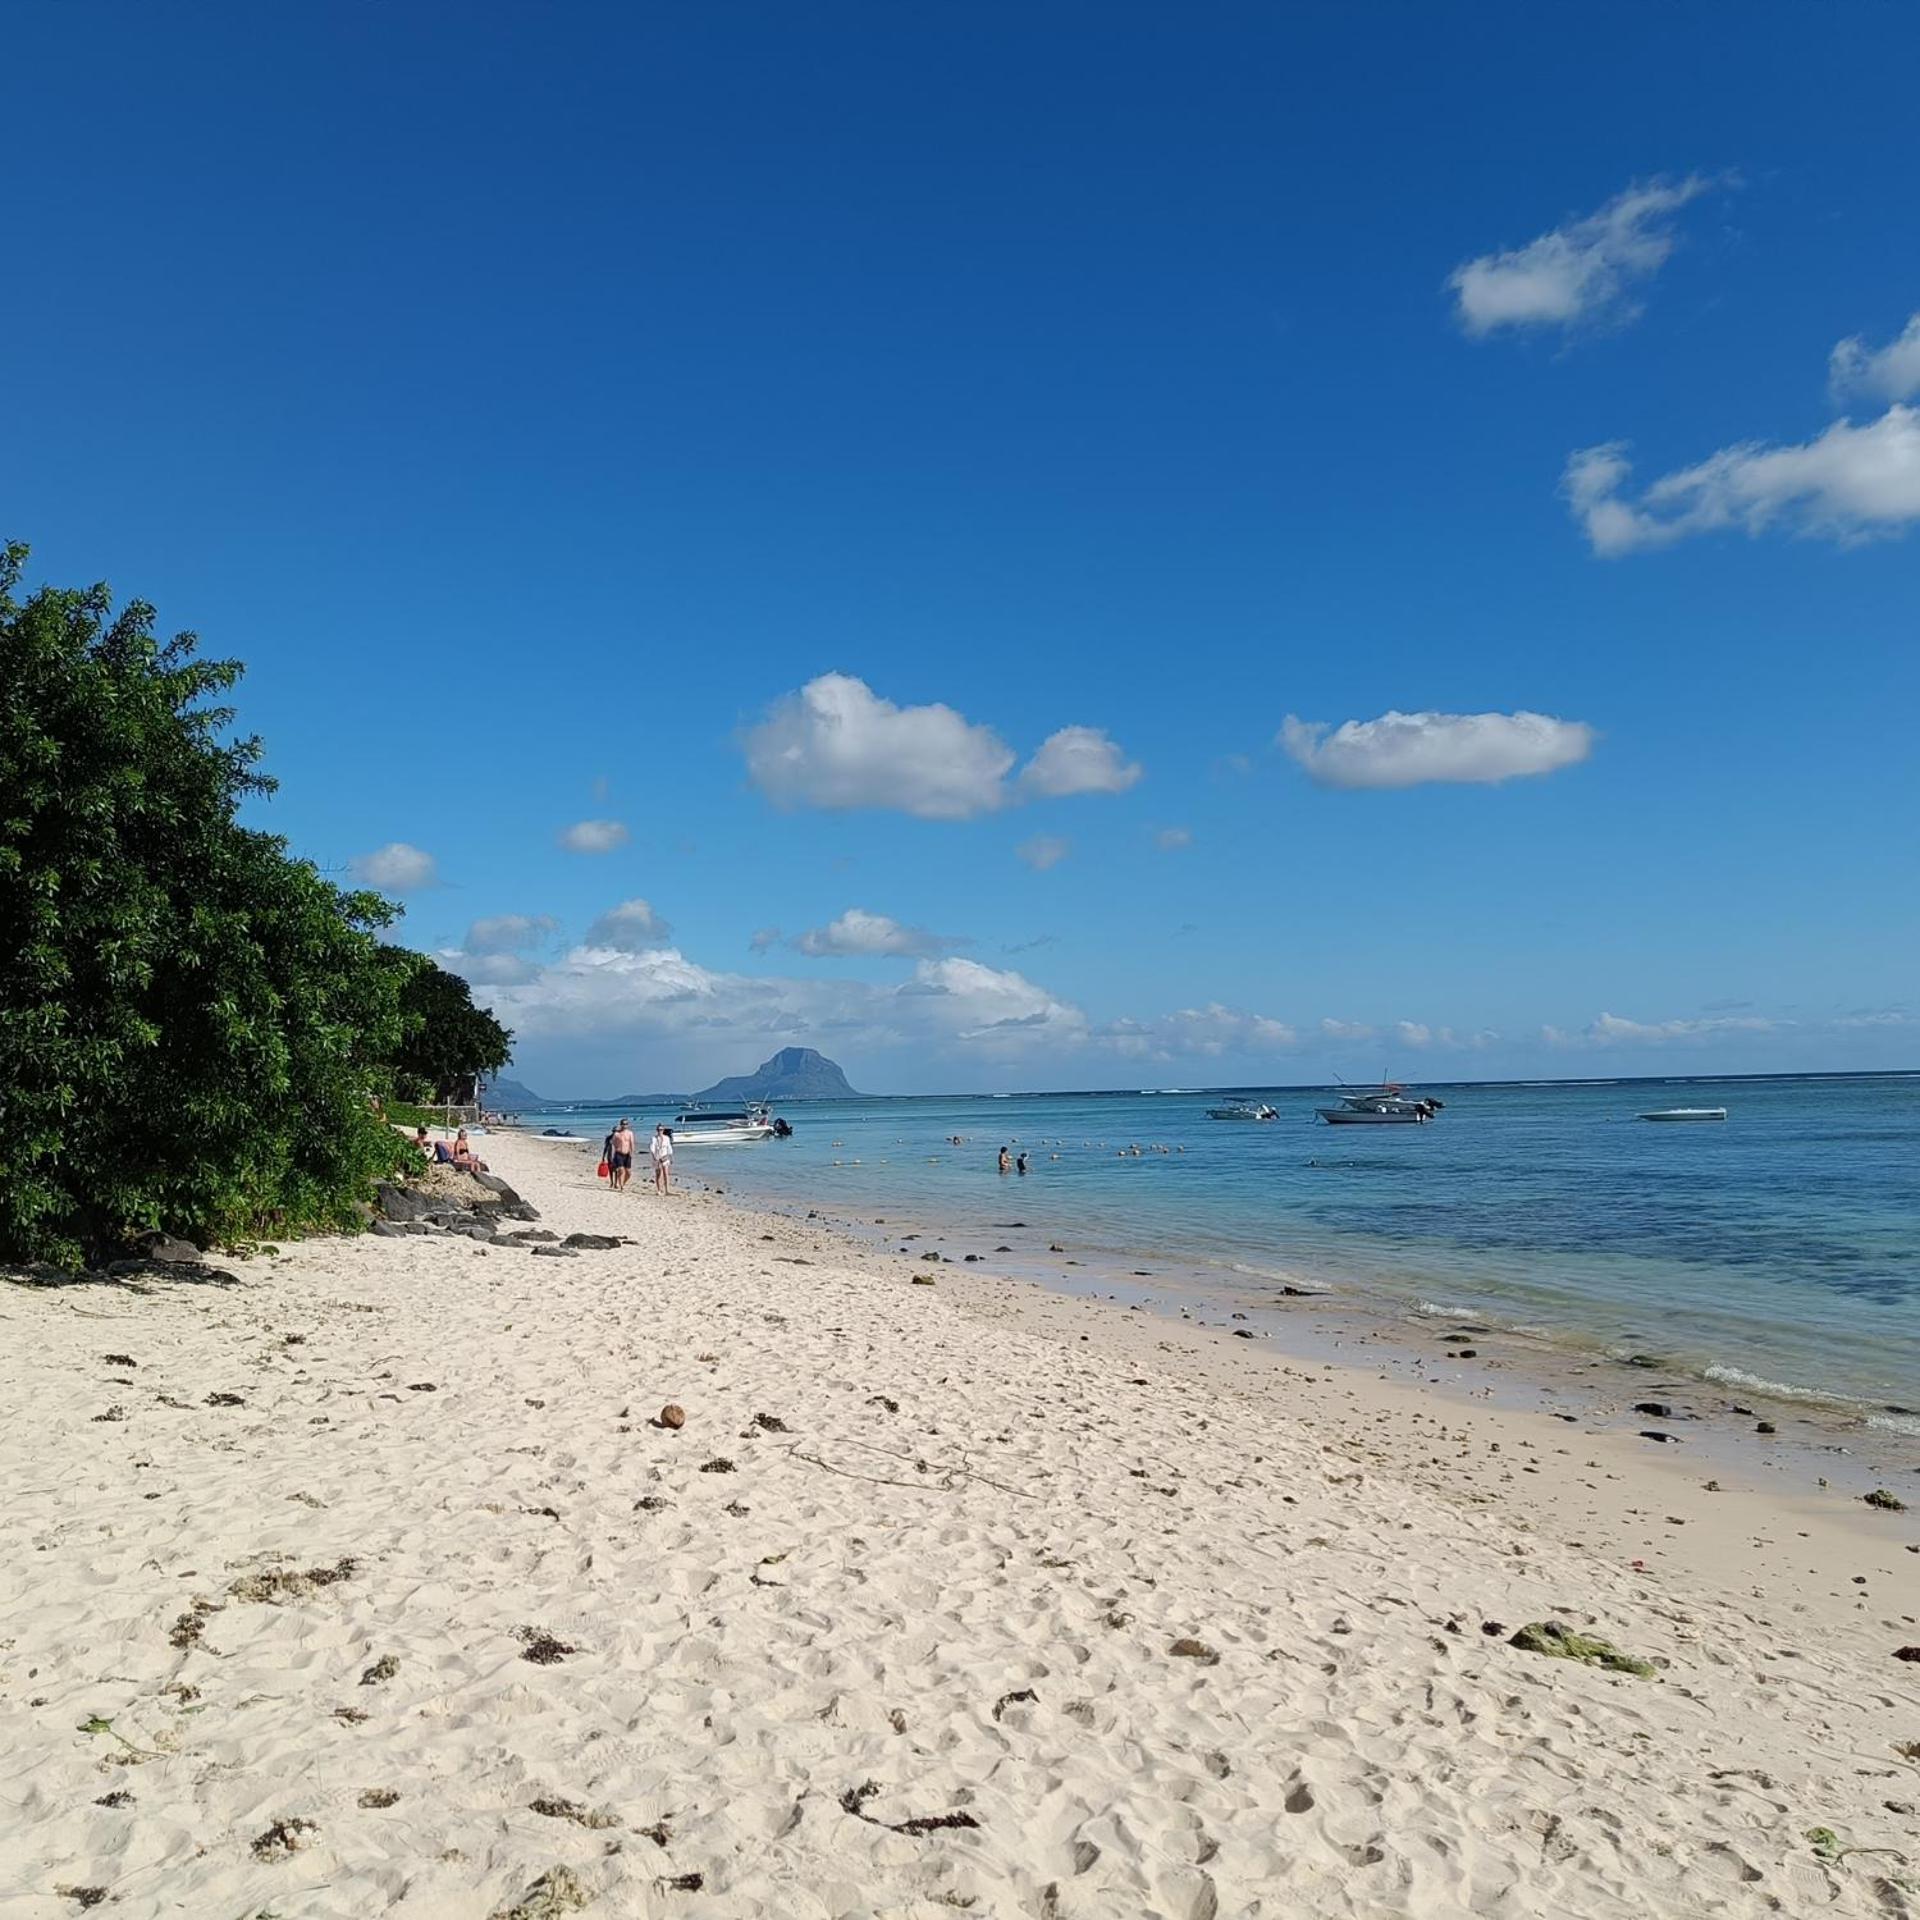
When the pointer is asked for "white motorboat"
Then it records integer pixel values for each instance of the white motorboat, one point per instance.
(723, 1126)
(1384, 1106)
(1687, 1113)
(1256, 1111)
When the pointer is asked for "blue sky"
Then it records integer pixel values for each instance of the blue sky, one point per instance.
(639, 416)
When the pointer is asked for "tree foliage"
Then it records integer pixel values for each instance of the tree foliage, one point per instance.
(446, 1042)
(193, 1024)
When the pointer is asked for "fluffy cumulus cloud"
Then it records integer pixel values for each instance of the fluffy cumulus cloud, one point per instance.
(1411, 749)
(631, 927)
(595, 836)
(1079, 760)
(395, 868)
(511, 933)
(1847, 484)
(1206, 1033)
(1044, 850)
(948, 1006)
(1579, 273)
(1613, 1030)
(836, 744)
(1346, 1030)
(858, 932)
(1891, 372)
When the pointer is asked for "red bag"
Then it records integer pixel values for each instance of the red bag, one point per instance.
(603, 1170)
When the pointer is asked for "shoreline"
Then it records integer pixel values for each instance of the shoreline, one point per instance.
(1817, 1444)
(469, 1619)
(1780, 1341)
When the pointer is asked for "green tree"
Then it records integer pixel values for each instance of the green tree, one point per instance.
(446, 1042)
(192, 1023)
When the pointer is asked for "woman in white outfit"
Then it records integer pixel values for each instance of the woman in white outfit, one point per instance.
(662, 1152)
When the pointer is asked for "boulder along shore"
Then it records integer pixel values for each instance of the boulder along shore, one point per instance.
(731, 1569)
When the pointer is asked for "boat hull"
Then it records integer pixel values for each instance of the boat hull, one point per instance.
(1352, 1117)
(719, 1136)
(1688, 1113)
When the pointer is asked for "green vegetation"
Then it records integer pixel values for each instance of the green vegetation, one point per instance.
(194, 1026)
(1561, 1642)
(445, 1040)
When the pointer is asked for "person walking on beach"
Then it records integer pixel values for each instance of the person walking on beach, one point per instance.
(662, 1152)
(620, 1144)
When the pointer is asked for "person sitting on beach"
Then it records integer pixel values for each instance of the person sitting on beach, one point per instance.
(662, 1154)
(464, 1156)
(422, 1144)
(620, 1145)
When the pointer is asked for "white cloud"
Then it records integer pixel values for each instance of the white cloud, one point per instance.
(395, 868)
(510, 933)
(489, 969)
(1346, 1030)
(631, 927)
(1409, 749)
(1848, 484)
(858, 932)
(1411, 1033)
(1196, 1032)
(600, 993)
(595, 836)
(1583, 271)
(836, 744)
(1044, 850)
(1891, 372)
(1173, 839)
(763, 939)
(1612, 1030)
(1079, 760)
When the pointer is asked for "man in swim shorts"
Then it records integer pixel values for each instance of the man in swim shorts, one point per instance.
(620, 1156)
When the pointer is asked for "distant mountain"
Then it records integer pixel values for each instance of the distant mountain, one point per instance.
(794, 1073)
(509, 1096)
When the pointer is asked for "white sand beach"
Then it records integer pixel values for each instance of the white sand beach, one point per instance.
(369, 1584)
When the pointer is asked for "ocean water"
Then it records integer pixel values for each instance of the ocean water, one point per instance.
(1779, 1250)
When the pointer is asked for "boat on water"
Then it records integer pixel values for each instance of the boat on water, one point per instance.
(727, 1126)
(1383, 1106)
(1687, 1113)
(1257, 1110)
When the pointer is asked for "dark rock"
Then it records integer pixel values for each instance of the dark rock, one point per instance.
(526, 1237)
(1650, 1433)
(1642, 1360)
(1765, 1426)
(1906, 1653)
(557, 1253)
(1654, 1409)
(169, 1252)
(1244, 1333)
(1188, 1649)
(479, 1232)
(400, 1203)
(1885, 1501)
(385, 1230)
(592, 1242)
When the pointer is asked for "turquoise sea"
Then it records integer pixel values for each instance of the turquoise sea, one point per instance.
(1779, 1250)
